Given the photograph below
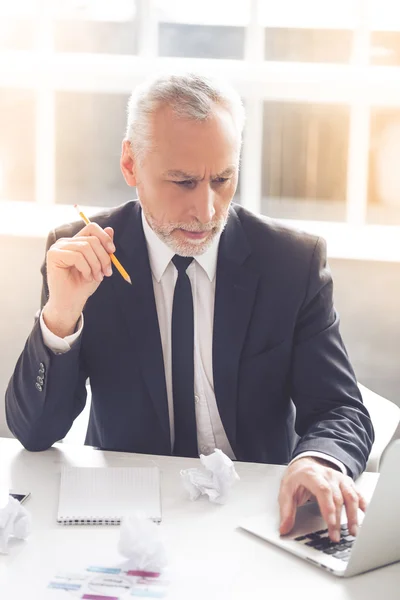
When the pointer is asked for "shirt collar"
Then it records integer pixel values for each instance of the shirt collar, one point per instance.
(160, 254)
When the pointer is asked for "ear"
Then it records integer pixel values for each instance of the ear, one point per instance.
(127, 164)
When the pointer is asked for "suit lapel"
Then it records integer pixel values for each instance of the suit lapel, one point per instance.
(235, 292)
(138, 306)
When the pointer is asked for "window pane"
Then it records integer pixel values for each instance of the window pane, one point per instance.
(384, 15)
(305, 161)
(207, 29)
(16, 34)
(17, 144)
(206, 12)
(20, 9)
(385, 48)
(341, 14)
(93, 10)
(308, 45)
(89, 133)
(384, 173)
(96, 26)
(201, 41)
(95, 37)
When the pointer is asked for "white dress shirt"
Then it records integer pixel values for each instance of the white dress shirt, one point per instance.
(202, 275)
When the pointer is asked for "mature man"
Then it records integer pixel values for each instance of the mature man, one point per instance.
(227, 336)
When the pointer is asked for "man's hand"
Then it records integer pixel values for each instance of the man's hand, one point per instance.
(75, 268)
(312, 477)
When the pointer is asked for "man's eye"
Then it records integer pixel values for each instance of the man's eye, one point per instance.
(220, 180)
(186, 183)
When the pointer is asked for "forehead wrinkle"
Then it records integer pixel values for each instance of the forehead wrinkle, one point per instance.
(182, 175)
(192, 176)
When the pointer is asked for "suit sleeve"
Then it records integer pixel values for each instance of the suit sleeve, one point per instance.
(330, 414)
(47, 391)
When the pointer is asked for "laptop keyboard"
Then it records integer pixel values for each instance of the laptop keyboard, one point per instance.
(320, 541)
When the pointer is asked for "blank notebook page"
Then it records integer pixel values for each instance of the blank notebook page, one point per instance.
(92, 495)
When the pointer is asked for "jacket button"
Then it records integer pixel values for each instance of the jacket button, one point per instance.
(38, 386)
(40, 380)
(41, 366)
(41, 371)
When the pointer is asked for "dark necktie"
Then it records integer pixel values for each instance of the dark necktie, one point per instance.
(183, 362)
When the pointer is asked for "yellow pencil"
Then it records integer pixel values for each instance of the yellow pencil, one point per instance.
(114, 259)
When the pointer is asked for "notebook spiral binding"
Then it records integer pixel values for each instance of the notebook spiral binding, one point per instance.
(104, 496)
(88, 521)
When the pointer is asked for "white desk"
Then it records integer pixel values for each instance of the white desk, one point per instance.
(208, 556)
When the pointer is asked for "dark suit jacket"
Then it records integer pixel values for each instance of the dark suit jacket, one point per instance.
(279, 363)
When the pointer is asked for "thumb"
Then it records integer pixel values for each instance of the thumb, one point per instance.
(287, 505)
(110, 232)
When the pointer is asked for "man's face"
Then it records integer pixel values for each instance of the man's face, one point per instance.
(187, 179)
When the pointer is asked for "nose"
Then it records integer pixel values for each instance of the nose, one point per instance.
(203, 203)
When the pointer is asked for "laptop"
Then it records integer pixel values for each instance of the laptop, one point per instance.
(376, 545)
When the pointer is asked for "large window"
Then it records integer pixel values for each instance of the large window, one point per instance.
(304, 168)
(16, 34)
(206, 29)
(102, 27)
(17, 144)
(384, 172)
(89, 130)
(319, 81)
(308, 45)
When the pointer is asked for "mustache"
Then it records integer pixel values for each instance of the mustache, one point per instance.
(193, 226)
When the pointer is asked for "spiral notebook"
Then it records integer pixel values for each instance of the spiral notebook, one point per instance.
(103, 496)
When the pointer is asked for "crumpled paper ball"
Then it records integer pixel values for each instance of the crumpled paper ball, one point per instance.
(141, 542)
(15, 521)
(215, 480)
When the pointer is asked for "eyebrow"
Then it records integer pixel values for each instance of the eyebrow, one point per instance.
(185, 175)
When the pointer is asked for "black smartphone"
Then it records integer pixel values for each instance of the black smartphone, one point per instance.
(21, 497)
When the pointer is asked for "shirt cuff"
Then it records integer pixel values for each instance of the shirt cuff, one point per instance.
(326, 457)
(56, 344)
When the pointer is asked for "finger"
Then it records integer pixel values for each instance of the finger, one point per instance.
(97, 257)
(85, 248)
(337, 496)
(70, 258)
(110, 232)
(362, 502)
(323, 493)
(102, 254)
(351, 502)
(302, 496)
(93, 229)
(287, 508)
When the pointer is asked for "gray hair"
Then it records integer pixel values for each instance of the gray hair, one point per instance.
(190, 95)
